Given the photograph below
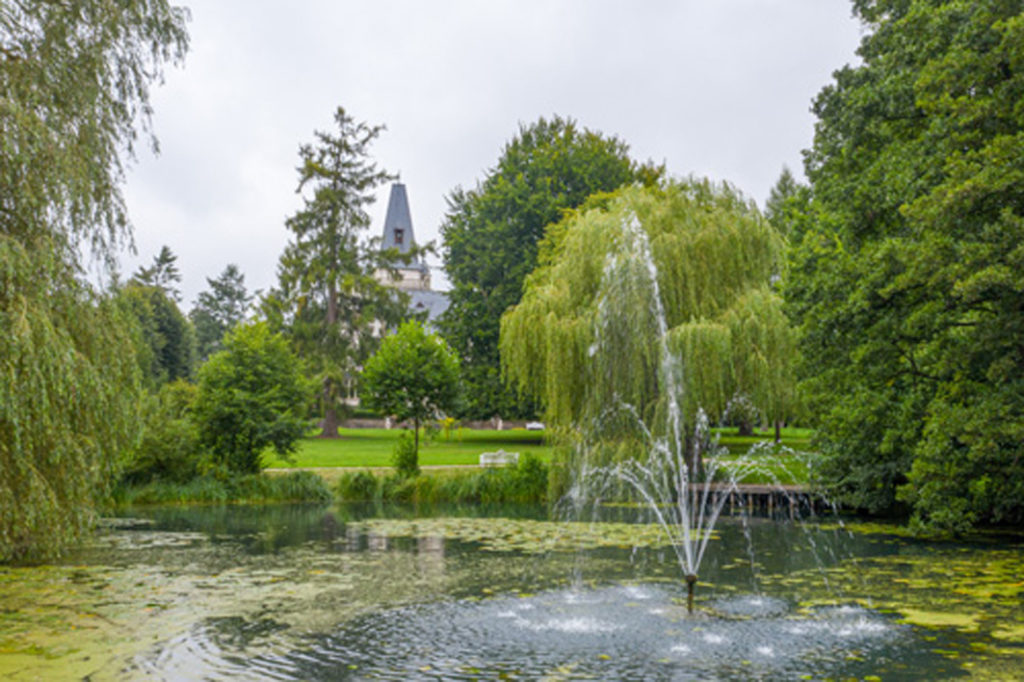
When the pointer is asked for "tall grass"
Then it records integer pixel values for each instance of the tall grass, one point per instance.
(525, 482)
(299, 486)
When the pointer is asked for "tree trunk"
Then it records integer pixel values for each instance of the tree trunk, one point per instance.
(330, 421)
(778, 431)
(416, 443)
(746, 428)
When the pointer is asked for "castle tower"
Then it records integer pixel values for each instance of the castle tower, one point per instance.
(398, 235)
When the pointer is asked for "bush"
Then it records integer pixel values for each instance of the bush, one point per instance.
(404, 457)
(169, 449)
(361, 486)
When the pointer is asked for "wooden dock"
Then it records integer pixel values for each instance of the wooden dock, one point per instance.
(761, 499)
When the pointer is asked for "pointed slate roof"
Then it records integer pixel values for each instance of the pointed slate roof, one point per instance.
(398, 232)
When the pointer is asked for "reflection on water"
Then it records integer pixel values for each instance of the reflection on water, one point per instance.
(307, 592)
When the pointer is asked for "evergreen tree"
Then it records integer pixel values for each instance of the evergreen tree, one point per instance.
(788, 208)
(162, 274)
(328, 298)
(219, 309)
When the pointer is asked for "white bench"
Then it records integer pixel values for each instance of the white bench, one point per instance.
(498, 459)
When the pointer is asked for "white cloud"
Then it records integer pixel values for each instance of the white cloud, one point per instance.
(713, 88)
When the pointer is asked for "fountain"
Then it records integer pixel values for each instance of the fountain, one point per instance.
(670, 474)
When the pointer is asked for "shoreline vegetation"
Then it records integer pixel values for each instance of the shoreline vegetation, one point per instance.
(357, 468)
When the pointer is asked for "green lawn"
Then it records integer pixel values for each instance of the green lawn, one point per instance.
(372, 447)
(798, 439)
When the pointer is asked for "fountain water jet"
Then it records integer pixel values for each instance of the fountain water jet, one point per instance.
(670, 475)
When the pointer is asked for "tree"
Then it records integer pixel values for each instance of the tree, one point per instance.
(413, 375)
(219, 309)
(909, 288)
(595, 331)
(166, 344)
(74, 91)
(169, 448)
(162, 274)
(788, 208)
(252, 395)
(328, 298)
(491, 233)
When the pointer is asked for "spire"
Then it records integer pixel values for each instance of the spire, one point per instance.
(398, 222)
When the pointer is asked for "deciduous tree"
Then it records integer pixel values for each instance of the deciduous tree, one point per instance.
(166, 344)
(252, 395)
(491, 234)
(587, 338)
(909, 289)
(74, 91)
(413, 375)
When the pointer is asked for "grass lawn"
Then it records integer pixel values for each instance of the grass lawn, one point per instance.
(798, 439)
(362, 448)
(372, 448)
(784, 468)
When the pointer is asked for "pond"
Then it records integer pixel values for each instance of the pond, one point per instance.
(323, 593)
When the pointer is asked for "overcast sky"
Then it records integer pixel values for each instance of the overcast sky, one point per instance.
(717, 88)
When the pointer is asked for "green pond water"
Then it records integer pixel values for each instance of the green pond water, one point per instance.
(322, 593)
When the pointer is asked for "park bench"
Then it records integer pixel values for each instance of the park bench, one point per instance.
(498, 459)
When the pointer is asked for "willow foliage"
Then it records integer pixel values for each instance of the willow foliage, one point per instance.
(587, 335)
(74, 93)
(68, 394)
(74, 90)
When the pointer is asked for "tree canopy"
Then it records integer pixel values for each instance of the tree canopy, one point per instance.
(74, 93)
(328, 299)
(413, 375)
(491, 233)
(223, 305)
(162, 274)
(595, 328)
(252, 395)
(788, 208)
(910, 286)
(165, 340)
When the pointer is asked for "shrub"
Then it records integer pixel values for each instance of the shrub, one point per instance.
(404, 458)
(169, 449)
(361, 486)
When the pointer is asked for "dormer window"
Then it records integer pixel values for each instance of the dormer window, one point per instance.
(399, 235)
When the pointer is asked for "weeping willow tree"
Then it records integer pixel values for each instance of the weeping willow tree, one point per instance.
(69, 389)
(652, 299)
(74, 92)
